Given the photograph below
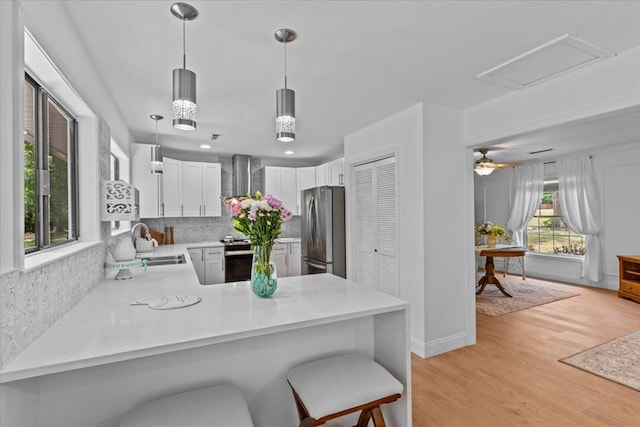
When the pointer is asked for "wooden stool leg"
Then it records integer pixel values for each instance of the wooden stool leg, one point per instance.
(364, 418)
(378, 419)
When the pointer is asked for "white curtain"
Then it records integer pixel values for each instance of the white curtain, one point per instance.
(529, 182)
(581, 210)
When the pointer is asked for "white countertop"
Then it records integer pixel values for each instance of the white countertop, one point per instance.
(104, 328)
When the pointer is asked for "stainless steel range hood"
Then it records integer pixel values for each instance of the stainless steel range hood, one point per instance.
(241, 175)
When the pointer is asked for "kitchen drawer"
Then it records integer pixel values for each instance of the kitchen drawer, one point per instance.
(280, 248)
(630, 287)
(210, 253)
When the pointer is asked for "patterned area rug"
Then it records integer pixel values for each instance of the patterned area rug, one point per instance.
(617, 360)
(492, 303)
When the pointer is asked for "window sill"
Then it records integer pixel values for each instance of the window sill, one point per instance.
(559, 257)
(49, 256)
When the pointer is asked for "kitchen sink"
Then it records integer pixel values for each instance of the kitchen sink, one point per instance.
(165, 260)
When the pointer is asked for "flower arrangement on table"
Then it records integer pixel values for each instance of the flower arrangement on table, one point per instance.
(493, 232)
(260, 219)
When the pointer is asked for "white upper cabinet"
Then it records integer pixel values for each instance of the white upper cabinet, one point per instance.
(191, 189)
(201, 189)
(281, 183)
(330, 173)
(149, 185)
(322, 175)
(171, 205)
(336, 172)
(305, 178)
(211, 189)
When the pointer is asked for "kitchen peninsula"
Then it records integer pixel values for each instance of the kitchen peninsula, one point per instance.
(106, 356)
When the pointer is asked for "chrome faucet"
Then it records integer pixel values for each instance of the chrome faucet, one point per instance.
(133, 232)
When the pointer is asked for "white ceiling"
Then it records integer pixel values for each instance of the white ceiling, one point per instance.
(353, 63)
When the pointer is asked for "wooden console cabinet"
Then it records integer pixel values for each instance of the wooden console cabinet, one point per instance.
(629, 277)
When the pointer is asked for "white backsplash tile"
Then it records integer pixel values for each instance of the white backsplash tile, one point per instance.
(33, 301)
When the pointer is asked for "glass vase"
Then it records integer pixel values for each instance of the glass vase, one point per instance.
(492, 241)
(264, 280)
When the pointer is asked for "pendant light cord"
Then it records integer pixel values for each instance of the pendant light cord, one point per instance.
(184, 49)
(156, 131)
(285, 64)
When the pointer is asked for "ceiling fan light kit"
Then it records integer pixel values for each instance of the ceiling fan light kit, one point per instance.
(184, 107)
(485, 166)
(285, 98)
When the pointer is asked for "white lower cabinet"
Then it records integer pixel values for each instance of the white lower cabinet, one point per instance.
(213, 265)
(209, 264)
(280, 256)
(287, 258)
(295, 253)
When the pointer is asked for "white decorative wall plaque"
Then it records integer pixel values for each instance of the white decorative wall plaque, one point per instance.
(119, 201)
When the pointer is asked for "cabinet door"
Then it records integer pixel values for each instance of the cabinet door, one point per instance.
(280, 257)
(336, 172)
(289, 189)
(211, 189)
(322, 174)
(191, 189)
(197, 258)
(272, 181)
(305, 178)
(148, 184)
(171, 188)
(214, 265)
(293, 262)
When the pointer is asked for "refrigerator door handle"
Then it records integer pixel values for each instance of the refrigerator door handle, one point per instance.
(321, 267)
(314, 219)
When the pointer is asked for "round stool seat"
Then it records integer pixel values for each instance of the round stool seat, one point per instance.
(221, 406)
(335, 384)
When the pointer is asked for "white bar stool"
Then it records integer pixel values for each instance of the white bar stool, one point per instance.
(221, 406)
(336, 386)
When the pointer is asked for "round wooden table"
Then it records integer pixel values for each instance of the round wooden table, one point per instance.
(489, 277)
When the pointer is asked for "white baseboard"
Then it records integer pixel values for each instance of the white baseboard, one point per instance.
(610, 282)
(439, 346)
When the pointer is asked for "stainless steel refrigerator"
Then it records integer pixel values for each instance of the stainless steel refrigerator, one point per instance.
(323, 231)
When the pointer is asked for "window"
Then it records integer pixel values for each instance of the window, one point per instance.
(50, 184)
(547, 232)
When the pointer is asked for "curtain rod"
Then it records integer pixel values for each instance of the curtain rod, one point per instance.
(554, 161)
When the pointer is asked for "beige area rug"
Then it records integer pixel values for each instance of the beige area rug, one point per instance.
(617, 360)
(492, 303)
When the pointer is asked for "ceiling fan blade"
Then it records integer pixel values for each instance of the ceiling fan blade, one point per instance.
(508, 165)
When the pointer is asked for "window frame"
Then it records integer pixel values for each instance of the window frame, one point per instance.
(553, 183)
(42, 98)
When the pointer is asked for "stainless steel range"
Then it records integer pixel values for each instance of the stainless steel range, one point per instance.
(238, 257)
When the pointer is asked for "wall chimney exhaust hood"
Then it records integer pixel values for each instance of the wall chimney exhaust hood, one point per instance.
(241, 175)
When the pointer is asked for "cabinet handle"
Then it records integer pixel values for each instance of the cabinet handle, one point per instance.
(181, 210)
(204, 210)
(341, 179)
(200, 210)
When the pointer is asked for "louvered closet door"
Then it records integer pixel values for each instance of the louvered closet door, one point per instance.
(376, 226)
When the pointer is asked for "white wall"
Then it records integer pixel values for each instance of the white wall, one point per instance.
(399, 134)
(617, 171)
(449, 258)
(435, 220)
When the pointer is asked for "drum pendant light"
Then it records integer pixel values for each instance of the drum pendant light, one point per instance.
(184, 80)
(156, 150)
(285, 98)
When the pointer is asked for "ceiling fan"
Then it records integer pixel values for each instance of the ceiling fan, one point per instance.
(485, 165)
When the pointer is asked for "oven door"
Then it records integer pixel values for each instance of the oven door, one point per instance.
(237, 265)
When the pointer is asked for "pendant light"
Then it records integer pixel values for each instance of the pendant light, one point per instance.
(184, 81)
(285, 98)
(156, 150)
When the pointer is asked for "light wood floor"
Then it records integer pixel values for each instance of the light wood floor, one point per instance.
(512, 376)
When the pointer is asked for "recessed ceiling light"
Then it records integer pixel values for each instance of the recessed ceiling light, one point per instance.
(288, 152)
(205, 146)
